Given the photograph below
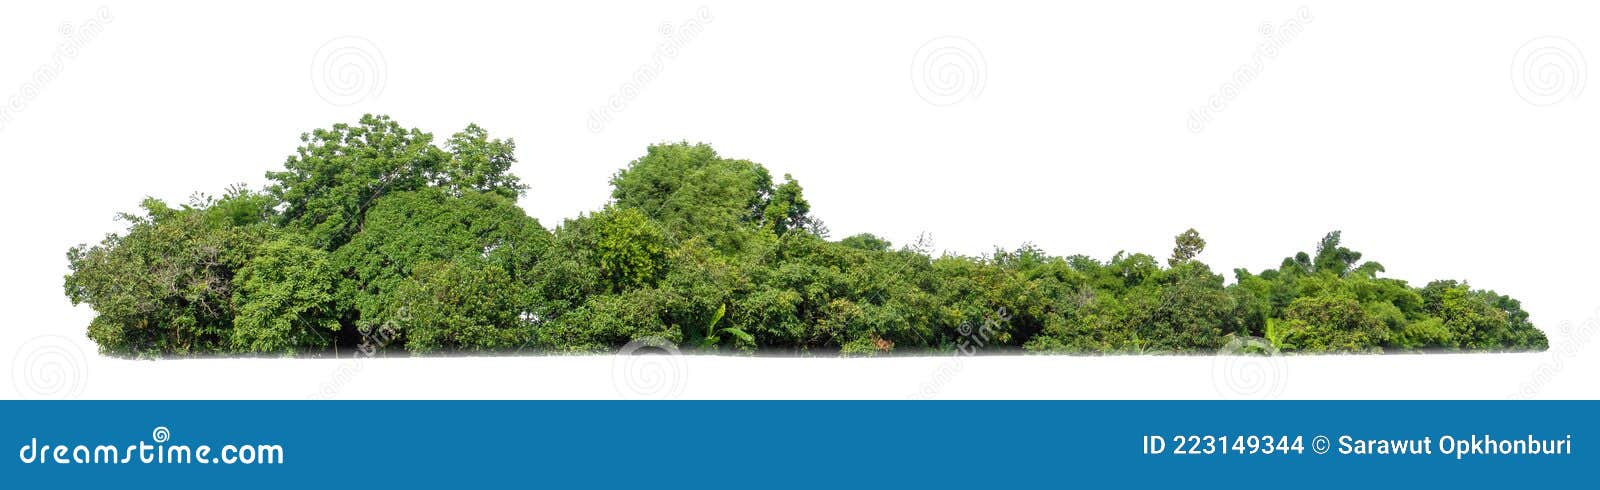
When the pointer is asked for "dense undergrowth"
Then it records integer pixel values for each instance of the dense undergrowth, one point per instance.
(375, 231)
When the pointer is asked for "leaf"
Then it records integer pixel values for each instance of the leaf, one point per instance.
(740, 334)
(711, 329)
(721, 310)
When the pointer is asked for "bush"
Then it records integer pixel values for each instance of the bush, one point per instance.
(372, 225)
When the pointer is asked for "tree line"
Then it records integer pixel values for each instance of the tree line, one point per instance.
(376, 226)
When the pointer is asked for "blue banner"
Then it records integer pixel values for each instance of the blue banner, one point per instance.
(901, 444)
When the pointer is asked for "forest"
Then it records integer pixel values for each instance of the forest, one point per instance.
(374, 230)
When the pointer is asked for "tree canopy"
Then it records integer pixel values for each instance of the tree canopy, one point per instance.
(373, 225)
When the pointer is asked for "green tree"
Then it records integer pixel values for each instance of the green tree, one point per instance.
(1189, 244)
(1333, 258)
(866, 241)
(338, 173)
(630, 249)
(406, 229)
(165, 287)
(1331, 324)
(465, 304)
(693, 192)
(787, 209)
(284, 300)
(481, 164)
(372, 225)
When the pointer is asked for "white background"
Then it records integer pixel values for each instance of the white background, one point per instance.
(1445, 140)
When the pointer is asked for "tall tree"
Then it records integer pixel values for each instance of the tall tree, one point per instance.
(166, 286)
(1189, 244)
(1333, 258)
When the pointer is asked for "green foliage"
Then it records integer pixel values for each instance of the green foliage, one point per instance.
(1333, 258)
(407, 229)
(866, 241)
(284, 300)
(694, 193)
(166, 286)
(371, 225)
(1481, 320)
(787, 209)
(713, 336)
(608, 321)
(339, 173)
(1428, 333)
(1330, 324)
(1189, 244)
(465, 304)
(630, 249)
(480, 164)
